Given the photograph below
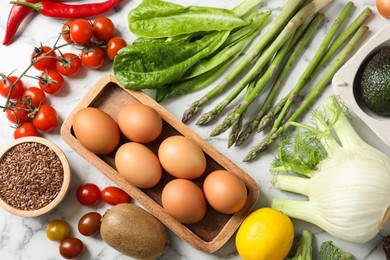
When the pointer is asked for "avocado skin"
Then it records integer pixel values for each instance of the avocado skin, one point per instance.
(375, 83)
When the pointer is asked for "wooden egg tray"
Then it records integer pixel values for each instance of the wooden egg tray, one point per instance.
(215, 229)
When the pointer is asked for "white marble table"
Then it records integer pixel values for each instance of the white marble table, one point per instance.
(22, 238)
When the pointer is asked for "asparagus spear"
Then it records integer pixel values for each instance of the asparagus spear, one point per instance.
(312, 65)
(248, 99)
(286, 13)
(336, 44)
(282, 76)
(238, 124)
(311, 96)
(287, 32)
(267, 119)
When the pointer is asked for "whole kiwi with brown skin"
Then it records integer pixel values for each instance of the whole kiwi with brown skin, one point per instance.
(134, 232)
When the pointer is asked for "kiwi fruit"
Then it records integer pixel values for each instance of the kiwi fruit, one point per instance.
(134, 232)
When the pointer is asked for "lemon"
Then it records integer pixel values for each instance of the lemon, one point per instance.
(265, 234)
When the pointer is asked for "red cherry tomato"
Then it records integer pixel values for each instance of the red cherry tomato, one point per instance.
(103, 29)
(81, 31)
(17, 113)
(88, 194)
(35, 94)
(44, 58)
(92, 58)
(65, 31)
(114, 45)
(46, 119)
(51, 82)
(5, 87)
(69, 64)
(89, 224)
(71, 247)
(25, 129)
(114, 195)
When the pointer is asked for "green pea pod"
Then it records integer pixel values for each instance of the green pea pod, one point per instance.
(156, 19)
(141, 66)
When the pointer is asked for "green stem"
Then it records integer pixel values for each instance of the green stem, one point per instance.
(244, 135)
(267, 119)
(311, 96)
(291, 183)
(340, 40)
(274, 29)
(286, 34)
(325, 136)
(335, 66)
(55, 47)
(35, 6)
(312, 65)
(347, 135)
(304, 210)
(248, 99)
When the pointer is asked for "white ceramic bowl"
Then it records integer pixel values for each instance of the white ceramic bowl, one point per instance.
(343, 84)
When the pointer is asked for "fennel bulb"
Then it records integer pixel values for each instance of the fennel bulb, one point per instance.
(348, 188)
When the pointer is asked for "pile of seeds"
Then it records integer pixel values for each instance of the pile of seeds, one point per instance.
(31, 176)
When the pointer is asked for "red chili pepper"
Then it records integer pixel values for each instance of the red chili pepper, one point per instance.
(16, 16)
(67, 11)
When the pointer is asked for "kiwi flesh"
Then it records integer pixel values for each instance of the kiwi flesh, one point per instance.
(134, 232)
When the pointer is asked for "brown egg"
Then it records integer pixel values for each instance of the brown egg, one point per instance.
(140, 123)
(96, 130)
(225, 191)
(137, 164)
(182, 157)
(184, 201)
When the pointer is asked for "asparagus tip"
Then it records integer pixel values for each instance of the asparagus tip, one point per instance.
(218, 130)
(189, 112)
(205, 118)
(255, 152)
(242, 138)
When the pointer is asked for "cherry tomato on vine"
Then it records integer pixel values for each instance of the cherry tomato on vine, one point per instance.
(88, 194)
(51, 82)
(114, 195)
(44, 58)
(92, 58)
(114, 45)
(89, 224)
(17, 113)
(69, 64)
(25, 129)
(5, 87)
(81, 31)
(46, 119)
(65, 31)
(57, 230)
(71, 247)
(35, 94)
(103, 29)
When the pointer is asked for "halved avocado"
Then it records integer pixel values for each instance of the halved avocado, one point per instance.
(375, 83)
